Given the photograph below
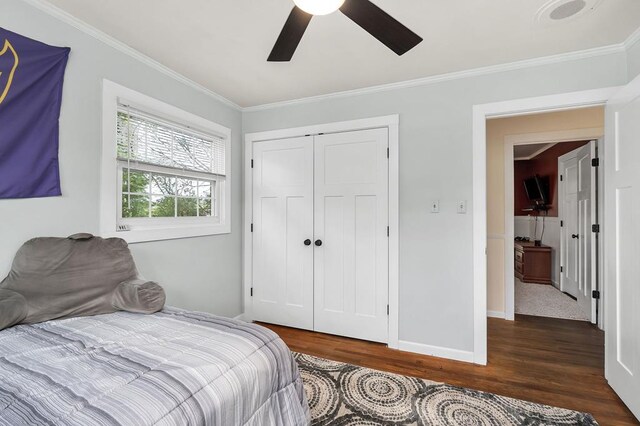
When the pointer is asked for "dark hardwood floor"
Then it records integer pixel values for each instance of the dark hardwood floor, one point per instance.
(545, 360)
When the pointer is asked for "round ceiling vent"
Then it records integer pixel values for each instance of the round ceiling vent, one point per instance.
(557, 11)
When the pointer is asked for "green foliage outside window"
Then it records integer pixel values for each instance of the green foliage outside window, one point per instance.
(154, 195)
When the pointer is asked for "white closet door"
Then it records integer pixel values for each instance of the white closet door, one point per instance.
(282, 221)
(351, 282)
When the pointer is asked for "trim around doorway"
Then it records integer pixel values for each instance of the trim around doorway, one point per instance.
(481, 113)
(390, 122)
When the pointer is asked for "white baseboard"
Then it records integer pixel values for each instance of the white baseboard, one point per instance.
(495, 314)
(403, 345)
(437, 351)
(240, 317)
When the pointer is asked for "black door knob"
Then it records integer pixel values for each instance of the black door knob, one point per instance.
(318, 243)
(576, 236)
(307, 242)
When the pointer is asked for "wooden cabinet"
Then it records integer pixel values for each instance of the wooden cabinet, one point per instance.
(532, 263)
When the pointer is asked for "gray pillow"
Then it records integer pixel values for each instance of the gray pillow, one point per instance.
(74, 276)
(145, 297)
(13, 308)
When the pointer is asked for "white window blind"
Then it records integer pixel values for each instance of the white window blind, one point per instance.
(143, 138)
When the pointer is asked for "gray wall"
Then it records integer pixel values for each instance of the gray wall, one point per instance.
(198, 273)
(436, 294)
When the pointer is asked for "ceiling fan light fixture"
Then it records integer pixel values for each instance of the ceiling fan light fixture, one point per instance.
(319, 7)
(366, 14)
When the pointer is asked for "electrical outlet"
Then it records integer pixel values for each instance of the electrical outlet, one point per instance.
(462, 207)
(435, 206)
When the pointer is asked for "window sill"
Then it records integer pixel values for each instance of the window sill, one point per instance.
(159, 234)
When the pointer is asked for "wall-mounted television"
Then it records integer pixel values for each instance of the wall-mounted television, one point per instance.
(537, 189)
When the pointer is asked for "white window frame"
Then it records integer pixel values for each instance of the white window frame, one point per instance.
(141, 230)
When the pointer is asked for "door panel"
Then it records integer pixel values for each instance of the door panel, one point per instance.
(297, 268)
(622, 250)
(569, 214)
(625, 204)
(282, 221)
(365, 249)
(351, 218)
(333, 272)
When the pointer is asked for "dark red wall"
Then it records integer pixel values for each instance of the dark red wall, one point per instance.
(545, 165)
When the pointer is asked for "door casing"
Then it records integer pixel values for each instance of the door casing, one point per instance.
(391, 123)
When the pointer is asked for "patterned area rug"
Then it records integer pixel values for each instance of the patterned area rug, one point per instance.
(346, 395)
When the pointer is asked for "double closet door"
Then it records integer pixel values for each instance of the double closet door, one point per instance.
(320, 244)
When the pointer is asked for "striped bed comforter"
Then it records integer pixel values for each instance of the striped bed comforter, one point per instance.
(171, 368)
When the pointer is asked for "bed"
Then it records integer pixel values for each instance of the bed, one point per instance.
(173, 367)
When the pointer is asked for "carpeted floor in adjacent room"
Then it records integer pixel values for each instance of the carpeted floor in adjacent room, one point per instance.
(543, 300)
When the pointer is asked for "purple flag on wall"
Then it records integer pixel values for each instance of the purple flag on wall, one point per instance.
(31, 76)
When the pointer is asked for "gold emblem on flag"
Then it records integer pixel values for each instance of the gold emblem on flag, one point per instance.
(13, 64)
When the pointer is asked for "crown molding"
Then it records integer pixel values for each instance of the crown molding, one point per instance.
(493, 69)
(632, 39)
(527, 63)
(60, 14)
(67, 18)
(544, 148)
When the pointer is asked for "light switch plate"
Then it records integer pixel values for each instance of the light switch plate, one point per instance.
(435, 206)
(462, 207)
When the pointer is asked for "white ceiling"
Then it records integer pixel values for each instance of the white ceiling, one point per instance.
(223, 44)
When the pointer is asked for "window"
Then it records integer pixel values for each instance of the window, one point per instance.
(168, 168)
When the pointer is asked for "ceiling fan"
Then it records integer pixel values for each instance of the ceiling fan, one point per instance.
(370, 17)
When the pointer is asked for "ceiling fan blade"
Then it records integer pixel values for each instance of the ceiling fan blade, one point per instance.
(290, 36)
(381, 25)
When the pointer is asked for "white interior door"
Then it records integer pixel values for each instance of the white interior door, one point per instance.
(282, 232)
(586, 238)
(578, 206)
(569, 176)
(351, 218)
(622, 249)
(591, 251)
